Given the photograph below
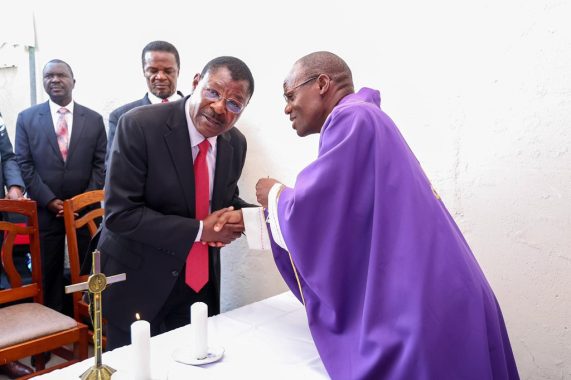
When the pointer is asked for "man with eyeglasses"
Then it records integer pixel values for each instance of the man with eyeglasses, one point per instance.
(174, 168)
(390, 287)
(161, 67)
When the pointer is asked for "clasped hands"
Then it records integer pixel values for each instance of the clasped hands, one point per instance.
(226, 225)
(15, 193)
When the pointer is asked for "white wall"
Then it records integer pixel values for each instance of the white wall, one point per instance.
(481, 90)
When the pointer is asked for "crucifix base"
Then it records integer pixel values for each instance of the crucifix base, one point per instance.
(102, 372)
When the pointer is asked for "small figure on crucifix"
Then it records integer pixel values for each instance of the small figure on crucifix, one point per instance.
(95, 285)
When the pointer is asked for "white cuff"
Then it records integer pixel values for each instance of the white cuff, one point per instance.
(199, 233)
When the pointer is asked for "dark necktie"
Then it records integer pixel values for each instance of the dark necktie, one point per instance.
(196, 275)
(165, 100)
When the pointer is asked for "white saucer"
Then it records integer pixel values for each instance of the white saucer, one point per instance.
(184, 355)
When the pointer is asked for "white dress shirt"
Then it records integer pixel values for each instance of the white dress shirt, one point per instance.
(195, 139)
(54, 108)
(156, 100)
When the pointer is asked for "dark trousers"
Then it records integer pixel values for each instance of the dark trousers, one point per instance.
(52, 246)
(174, 313)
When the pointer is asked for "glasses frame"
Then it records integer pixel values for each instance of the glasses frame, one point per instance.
(288, 95)
(206, 90)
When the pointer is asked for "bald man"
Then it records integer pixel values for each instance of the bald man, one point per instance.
(390, 286)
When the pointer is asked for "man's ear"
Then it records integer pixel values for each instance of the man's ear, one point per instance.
(195, 81)
(324, 83)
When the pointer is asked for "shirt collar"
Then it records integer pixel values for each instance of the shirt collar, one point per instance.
(55, 107)
(156, 100)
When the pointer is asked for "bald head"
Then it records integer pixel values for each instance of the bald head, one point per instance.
(324, 62)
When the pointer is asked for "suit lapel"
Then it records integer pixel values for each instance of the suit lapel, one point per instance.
(76, 130)
(177, 140)
(46, 124)
(224, 153)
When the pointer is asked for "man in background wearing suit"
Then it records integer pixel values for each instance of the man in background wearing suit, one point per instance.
(161, 65)
(60, 146)
(10, 180)
(10, 177)
(172, 167)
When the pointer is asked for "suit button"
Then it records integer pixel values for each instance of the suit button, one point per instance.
(174, 273)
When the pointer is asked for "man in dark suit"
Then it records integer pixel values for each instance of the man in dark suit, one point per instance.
(10, 177)
(161, 66)
(153, 193)
(60, 146)
(11, 180)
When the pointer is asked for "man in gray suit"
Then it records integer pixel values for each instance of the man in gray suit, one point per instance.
(161, 65)
(60, 147)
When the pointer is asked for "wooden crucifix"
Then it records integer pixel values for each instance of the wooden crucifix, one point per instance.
(95, 284)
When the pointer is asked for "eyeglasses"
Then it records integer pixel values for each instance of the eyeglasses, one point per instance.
(288, 96)
(231, 105)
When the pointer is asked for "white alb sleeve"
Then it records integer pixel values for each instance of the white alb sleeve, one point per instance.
(255, 228)
(273, 198)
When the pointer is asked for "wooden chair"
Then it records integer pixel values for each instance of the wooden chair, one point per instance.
(29, 328)
(71, 209)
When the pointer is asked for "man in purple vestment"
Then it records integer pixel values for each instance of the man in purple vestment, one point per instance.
(390, 286)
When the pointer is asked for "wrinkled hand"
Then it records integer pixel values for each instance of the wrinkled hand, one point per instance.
(56, 206)
(226, 234)
(263, 189)
(15, 192)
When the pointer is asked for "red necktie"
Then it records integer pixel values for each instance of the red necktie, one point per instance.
(165, 100)
(196, 275)
(62, 138)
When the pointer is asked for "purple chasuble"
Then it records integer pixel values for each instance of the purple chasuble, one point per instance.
(391, 287)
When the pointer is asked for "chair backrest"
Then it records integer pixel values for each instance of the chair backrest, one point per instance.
(18, 290)
(71, 209)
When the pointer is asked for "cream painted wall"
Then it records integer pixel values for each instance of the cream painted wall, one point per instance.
(481, 90)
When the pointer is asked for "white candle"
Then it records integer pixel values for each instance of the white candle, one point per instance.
(198, 328)
(141, 349)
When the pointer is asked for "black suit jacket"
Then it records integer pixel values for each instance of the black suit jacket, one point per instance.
(10, 173)
(46, 175)
(114, 119)
(117, 113)
(150, 208)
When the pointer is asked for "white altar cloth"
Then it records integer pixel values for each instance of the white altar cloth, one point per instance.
(269, 339)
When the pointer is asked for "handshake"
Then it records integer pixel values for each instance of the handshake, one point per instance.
(226, 225)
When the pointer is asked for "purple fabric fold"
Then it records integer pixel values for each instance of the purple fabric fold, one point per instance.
(391, 287)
